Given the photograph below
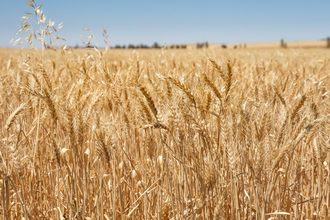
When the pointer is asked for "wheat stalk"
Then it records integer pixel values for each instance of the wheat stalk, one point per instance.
(10, 120)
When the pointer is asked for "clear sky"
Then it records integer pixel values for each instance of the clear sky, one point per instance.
(177, 21)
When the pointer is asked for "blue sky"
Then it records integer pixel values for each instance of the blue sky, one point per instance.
(177, 21)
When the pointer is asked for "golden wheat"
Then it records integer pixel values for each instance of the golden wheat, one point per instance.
(118, 134)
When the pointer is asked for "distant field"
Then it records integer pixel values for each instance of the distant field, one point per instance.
(272, 45)
(165, 134)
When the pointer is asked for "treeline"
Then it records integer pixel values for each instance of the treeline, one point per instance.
(283, 44)
(137, 46)
(153, 46)
(145, 46)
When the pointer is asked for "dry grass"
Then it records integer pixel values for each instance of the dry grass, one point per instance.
(165, 134)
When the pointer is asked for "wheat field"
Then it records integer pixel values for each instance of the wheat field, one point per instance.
(165, 134)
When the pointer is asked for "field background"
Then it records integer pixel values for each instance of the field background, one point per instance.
(165, 134)
(295, 44)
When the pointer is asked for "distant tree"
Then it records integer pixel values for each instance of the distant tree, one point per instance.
(156, 46)
(283, 44)
(90, 46)
(235, 46)
(224, 46)
(202, 45)
(328, 42)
